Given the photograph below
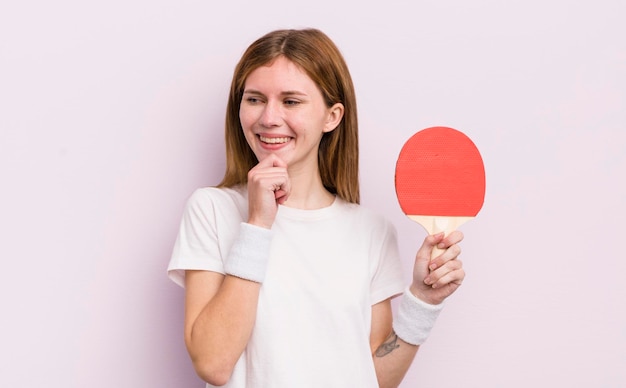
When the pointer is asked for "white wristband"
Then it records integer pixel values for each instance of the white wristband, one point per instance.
(415, 319)
(248, 257)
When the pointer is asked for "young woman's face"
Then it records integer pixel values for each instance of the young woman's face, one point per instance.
(283, 112)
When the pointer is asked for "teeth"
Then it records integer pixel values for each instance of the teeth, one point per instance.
(274, 140)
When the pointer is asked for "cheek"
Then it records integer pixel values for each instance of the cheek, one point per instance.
(248, 117)
(243, 118)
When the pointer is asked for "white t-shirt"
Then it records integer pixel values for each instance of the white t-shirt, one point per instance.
(327, 267)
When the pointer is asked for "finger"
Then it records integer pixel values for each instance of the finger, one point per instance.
(269, 178)
(277, 162)
(455, 278)
(268, 185)
(270, 164)
(450, 272)
(272, 160)
(451, 253)
(440, 272)
(264, 163)
(281, 196)
(268, 168)
(454, 237)
(422, 257)
(429, 243)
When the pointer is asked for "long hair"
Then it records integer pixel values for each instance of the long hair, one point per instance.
(317, 55)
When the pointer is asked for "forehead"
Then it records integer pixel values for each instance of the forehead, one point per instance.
(279, 74)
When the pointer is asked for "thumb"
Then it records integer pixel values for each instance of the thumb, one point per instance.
(423, 256)
(272, 160)
(278, 162)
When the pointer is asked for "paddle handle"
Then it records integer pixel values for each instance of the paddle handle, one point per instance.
(438, 224)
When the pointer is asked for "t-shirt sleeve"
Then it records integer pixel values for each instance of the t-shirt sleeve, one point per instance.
(197, 246)
(388, 277)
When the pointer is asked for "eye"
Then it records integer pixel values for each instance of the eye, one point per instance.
(252, 100)
(291, 102)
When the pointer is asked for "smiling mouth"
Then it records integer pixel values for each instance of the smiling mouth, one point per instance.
(274, 140)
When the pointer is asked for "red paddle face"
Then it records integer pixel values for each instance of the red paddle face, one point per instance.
(440, 172)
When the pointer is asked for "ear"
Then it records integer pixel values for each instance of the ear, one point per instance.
(335, 114)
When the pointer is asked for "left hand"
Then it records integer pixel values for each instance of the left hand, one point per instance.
(434, 280)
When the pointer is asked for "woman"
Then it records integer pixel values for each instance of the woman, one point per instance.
(288, 279)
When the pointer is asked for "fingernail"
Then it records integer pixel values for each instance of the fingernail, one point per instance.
(441, 245)
(432, 267)
(427, 281)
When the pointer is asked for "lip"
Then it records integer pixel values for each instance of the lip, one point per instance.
(273, 141)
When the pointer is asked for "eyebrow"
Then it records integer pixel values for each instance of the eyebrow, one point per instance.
(285, 93)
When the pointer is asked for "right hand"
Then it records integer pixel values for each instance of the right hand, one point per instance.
(434, 280)
(268, 186)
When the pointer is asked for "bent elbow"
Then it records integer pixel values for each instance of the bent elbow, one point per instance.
(217, 374)
(217, 380)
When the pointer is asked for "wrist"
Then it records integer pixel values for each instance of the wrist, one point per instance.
(259, 223)
(419, 294)
(415, 318)
(249, 254)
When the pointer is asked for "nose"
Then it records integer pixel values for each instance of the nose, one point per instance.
(271, 115)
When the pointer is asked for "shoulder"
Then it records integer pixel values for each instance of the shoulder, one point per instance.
(366, 217)
(210, 202)
(217, 196)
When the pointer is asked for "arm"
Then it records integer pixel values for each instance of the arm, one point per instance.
(219, 316)
(392, 356)
(433, 281)
(220, 310)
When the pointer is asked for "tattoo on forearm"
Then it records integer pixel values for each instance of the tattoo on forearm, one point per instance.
(390, 344)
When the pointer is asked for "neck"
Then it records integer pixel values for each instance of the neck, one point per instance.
(308, 192)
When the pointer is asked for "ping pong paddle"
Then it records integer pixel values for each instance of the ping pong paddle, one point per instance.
(440, 180)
